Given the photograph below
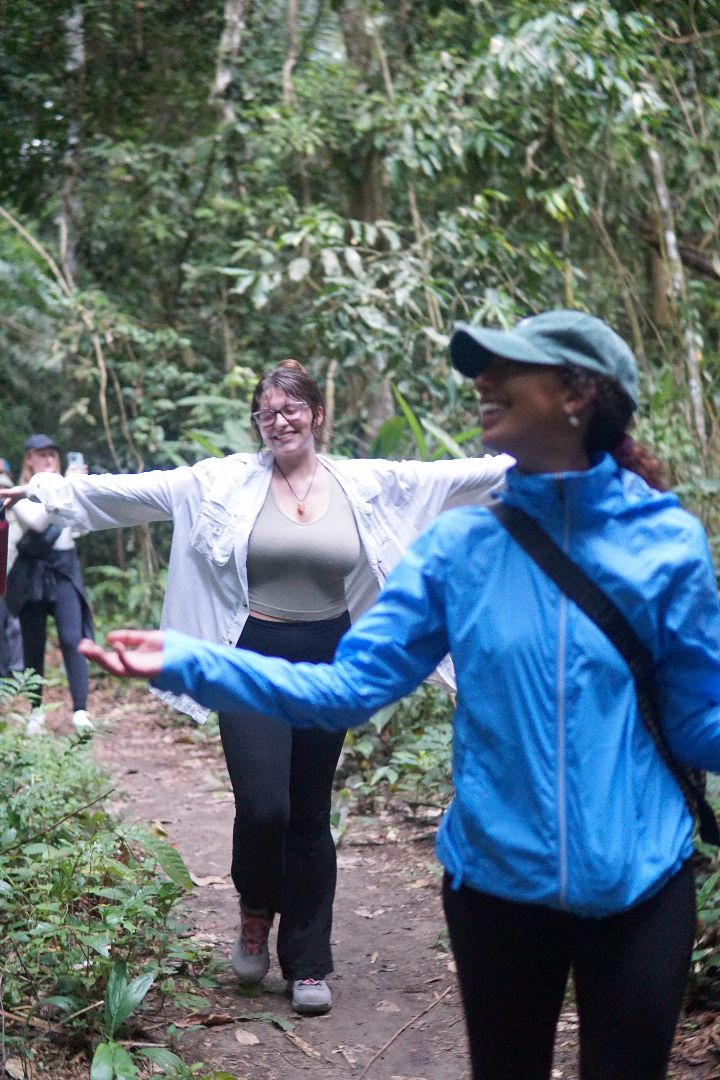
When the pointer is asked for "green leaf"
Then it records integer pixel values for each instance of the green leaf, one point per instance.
(123, 1067)
(447, 441)
(375, 319)
(122, 997)
(114, 996)
(165, 1059)
(388, 438)
(205, 444)
(354, 262)
(61, 1001)
(271, 1018)
(413, 424)
(299, 269)
(170, 860)
(101, 1067)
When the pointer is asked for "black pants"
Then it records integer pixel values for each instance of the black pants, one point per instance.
(629, 970)
(67, 611)
(11, 657)
(283, 857)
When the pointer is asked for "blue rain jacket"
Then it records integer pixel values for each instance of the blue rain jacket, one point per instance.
(561, 796)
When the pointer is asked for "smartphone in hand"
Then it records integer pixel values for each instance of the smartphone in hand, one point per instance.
(75, 460)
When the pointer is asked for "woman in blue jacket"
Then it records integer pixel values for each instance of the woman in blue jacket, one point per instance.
(568, 843)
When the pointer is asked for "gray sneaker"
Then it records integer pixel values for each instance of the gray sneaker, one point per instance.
(250, 957)
(311, 997)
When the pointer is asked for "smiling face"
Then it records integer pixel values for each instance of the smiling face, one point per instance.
(47, 460)
(525, 411)
(288, 438)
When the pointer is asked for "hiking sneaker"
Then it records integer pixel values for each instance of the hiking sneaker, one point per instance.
(82, 722)
(250, 957)
(35, 723)
(311, 997)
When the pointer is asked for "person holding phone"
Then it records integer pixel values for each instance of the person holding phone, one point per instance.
(46, 579)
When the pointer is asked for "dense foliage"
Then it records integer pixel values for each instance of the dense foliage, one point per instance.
(191, 191)
(83, 901)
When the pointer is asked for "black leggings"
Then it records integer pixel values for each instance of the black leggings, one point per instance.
(283, 857)
(67, 611)
(629, 970)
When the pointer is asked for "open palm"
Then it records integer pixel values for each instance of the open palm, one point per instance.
(133, 653)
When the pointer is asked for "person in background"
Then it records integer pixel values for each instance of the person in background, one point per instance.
(277, 551)
(568, 843)
(46, 579)
(11, 657)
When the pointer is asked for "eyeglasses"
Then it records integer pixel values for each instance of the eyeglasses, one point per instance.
(291, 410)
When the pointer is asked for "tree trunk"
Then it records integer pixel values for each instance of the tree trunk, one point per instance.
(366, 174)
(660, 286)
(221, 93)
(69, 202)
(678, 288)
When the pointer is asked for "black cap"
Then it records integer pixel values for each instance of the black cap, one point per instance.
(41, 442)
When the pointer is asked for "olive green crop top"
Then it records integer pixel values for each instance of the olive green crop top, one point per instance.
(298, 571)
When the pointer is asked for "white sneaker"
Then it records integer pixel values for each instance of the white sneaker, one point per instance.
(82, 722)
(35, 723)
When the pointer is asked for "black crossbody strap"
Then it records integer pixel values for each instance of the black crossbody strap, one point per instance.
(572, 580)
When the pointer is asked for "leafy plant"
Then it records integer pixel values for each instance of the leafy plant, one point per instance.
(81, 897)
(111, 1061)
(405, 748)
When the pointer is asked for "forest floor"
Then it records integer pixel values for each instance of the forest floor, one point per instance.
(396, 1013)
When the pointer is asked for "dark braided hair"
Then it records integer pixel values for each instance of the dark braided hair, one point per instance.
(612, 412)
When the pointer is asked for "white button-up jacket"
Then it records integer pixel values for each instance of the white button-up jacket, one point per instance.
(214, 505)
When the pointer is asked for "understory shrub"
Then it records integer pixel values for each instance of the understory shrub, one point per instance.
(80, 892)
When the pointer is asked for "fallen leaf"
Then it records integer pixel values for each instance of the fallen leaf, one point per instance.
(14, 1068)
(366, 913)
(387, 1007)
(347, 1053)
(246, 1038)
(452, 966)
(374, 957)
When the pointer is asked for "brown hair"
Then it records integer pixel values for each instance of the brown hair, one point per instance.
(292, 378)
(612, 413)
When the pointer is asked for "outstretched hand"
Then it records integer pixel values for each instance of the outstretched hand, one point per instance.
(134, 653)
(10, 495)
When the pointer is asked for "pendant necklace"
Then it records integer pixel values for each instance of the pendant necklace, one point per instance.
(300, 502)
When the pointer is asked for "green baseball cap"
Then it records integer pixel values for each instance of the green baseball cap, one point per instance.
(553, 338)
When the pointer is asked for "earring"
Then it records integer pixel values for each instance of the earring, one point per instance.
(573, 420)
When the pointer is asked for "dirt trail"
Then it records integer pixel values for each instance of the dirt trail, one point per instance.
(397, 1013)
(388, 970)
